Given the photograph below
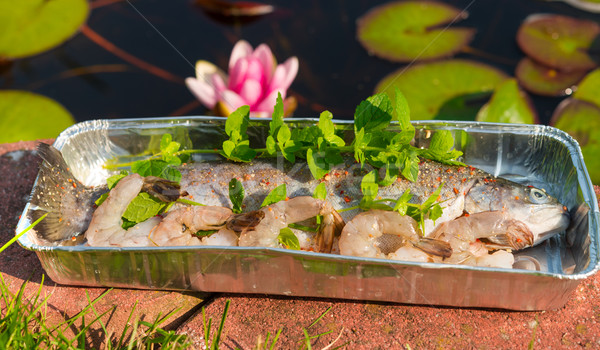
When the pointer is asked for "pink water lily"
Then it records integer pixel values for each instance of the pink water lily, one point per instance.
(254, 79)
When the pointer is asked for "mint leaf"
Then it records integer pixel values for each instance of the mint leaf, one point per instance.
(373, 114)
(156, 167)
(101, 199)
(327, 128)
(277, 116)
(288, 239)
(369, 186)
(402, 114)
(270, 144)
(410, 169)
(278, 194)
(317, 164)
(401, 205)
(205, 233)
(236, 195)
(165, 140)
(237, 124)
(320, 191)
(112, 181)
(143, 207)
(228, 148)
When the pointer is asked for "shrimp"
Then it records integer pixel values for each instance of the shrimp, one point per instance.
(180, 226)
(380, 233)
(262, 227)
(105, 227)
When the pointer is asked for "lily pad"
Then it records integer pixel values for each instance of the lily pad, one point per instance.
(29, 116)
(589, 88)
(587, 5)
(546, 81)
(508, 105)
(409, 30)
(558, 41)
(581, 120)
(428, 86)
(28, 27)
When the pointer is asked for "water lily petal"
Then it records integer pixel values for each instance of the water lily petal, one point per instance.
(242, 49)
(264, 55)
(203, 91)
(205, 70)
(232, 100)
(237, 74)
(256, 71)
(251, 91)
(268, 103)
(218, 83)
(284, 74)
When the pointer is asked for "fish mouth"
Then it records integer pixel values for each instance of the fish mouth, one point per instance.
(559, 224)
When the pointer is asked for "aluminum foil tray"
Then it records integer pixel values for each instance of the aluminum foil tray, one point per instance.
(539, 155)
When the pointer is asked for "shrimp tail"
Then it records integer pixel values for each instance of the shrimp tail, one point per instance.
(68, 203)
(434, 247)
(164, 190)
(331, 227)
(245, 222)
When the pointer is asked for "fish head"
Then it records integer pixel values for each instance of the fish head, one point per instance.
(543, 214)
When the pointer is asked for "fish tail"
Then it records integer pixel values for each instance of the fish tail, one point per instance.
(60, 195)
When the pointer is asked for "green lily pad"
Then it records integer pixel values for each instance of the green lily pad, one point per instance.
(408, 30)
(546, 81)
(29, 116)
(28, 27)
(589, 88)
(558, 41)
(581, 120)
(508, 105)
(428, 86)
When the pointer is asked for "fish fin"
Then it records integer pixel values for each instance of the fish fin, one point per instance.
(434, 247)
(516, 235)
(58, 194)
(246, 221)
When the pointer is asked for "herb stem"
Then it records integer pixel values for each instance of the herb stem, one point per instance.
(187, 201)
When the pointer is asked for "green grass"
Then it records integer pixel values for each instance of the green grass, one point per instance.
(23, 325)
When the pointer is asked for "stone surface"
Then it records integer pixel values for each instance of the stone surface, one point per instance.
(359, 325)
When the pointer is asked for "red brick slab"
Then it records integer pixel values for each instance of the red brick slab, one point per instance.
(18, 168)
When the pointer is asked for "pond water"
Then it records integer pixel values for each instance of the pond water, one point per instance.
(335, 72)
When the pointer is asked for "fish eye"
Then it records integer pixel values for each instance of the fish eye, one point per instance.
(538, 196)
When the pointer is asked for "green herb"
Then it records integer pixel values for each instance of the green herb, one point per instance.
(278, 194)
(236, 195)
(320, 191)
(143, 207)
(237, 148)
(288, 239)
(205, 233)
